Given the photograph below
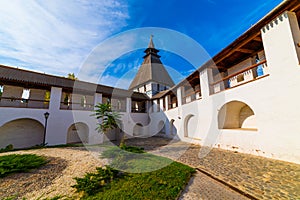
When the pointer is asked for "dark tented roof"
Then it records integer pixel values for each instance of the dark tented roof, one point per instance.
(152, 69)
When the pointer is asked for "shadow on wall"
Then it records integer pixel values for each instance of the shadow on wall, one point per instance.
(21, 133)
(236, 115)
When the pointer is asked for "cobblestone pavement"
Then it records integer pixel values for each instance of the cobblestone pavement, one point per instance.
(260, 177)
(202, 187)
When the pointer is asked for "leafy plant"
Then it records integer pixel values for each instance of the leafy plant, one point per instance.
(19, 163)
(164, 183)
(109, 119)
(93, 183)
(114, 152)
(9, 147)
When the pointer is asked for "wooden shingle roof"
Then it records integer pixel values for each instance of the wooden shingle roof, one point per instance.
(152, 69)
(21, 77)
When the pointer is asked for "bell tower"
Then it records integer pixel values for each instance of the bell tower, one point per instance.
(152, 77)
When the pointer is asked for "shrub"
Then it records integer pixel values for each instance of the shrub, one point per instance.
(115, 151)
(165, 183)
(19, 163)
(9, 147)
(133, 149)
(93, 183)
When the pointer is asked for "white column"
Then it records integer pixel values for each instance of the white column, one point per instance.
(179, 97)
(161, 104)
(97, 98)
(55, 98)
(205, 80)
(167, 102)
(155, 105)
(128, 105)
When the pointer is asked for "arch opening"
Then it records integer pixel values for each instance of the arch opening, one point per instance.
(138, 129)
(237, 115)
(22, 133)
(172, 128)
(187, 126)
(161, 127)
(78, 133)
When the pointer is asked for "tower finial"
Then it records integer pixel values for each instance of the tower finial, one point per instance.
(151, 44)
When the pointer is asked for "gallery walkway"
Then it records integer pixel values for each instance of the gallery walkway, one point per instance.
(226, 172)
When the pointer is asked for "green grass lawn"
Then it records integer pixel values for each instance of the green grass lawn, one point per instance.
(144, 176)
(19, 163)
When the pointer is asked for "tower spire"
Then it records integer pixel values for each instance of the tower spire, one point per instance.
(151, 44)
(152, 77)
(151, 49)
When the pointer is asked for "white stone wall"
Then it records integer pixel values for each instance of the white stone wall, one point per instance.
(61, 120)
(273, 99)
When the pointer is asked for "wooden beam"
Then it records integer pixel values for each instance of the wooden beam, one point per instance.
(258, 39)
(238, 47)
(245, 51)
(217, 67)
(295, 8)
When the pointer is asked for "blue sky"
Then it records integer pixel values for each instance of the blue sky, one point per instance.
(60, 37)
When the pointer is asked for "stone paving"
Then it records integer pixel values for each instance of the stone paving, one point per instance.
(202, 187)
(260, 177)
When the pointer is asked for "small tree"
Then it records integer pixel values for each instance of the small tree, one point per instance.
(72, 76)
(109, 119)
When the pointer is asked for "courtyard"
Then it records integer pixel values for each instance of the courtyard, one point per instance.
(220, 174)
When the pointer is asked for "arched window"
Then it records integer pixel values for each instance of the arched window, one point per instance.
(236, 115)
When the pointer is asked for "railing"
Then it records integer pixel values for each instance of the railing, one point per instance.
(23, 103)
(75, 106)
(241, 77)
(138, 110)
(190, 97)
(172, 105)
(118, 108)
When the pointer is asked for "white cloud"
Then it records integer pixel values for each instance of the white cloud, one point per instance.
(56, 36)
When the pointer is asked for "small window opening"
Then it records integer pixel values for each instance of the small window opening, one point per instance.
(1, 90)
(83, 101)
(25, 95)
(240, 78)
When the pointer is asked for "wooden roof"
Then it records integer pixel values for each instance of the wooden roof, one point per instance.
(30, 79)
(243, 47)
(251, 41)
(152, 69)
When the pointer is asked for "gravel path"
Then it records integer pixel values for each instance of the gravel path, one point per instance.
(260, 177)
(55, 178)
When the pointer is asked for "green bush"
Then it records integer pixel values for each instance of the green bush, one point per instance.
(115, 151)
(9, 147)
(165, 183)
(147, 177)
(93, 183)
(20, 163)
(133, 149)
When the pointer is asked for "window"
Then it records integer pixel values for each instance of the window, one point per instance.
(83, 101)
(1, 90)
(240, 78)
(67, 99)
(157, 89)
(47, 97)
(119, 104)
(106, 100)
(25, 95)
